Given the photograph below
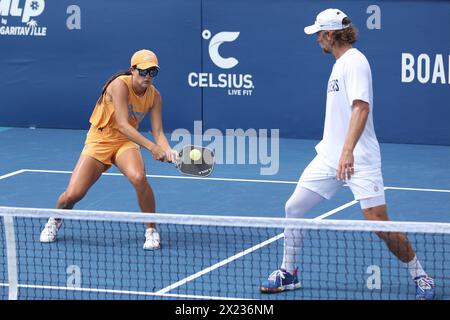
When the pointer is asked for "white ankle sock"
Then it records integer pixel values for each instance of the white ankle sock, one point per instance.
(415, 268)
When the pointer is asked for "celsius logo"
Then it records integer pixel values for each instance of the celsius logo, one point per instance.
(214, 44)
(237, 84)
(30, 10)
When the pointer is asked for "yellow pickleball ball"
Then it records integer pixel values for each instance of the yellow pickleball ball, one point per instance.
(195, 155)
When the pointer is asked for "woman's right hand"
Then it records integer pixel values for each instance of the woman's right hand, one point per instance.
(158, 153)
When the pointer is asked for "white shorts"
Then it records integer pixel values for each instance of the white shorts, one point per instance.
(367, 185)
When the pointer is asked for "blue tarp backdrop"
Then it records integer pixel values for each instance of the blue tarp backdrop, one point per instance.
(229, 63)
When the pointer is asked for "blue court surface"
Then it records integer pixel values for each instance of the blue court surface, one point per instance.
(35, 167)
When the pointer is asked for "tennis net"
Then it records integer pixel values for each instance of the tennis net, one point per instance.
(99, 255)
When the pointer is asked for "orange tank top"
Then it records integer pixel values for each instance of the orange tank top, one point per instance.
(138, 106)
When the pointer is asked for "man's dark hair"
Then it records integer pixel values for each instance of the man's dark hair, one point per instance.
(347, 35)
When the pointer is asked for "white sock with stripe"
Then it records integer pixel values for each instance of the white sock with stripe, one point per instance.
(415, 268)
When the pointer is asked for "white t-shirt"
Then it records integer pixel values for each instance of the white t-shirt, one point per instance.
(350, 79)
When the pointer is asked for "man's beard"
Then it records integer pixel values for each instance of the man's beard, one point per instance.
(326, 50)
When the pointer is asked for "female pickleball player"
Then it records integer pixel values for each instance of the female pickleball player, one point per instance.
(113, 138)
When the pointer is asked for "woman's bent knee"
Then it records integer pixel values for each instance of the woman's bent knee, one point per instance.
(138, 179)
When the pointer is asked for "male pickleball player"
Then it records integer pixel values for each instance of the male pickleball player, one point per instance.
(114, 139)
(349, 152)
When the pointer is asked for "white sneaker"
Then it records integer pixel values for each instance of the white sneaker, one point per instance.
(152, 240)
(50, 230)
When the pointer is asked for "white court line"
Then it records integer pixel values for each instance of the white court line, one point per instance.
(245, 252)
(12, 174)
(175, 177)
(141, 293)
(331, 212)
(417, 189)
(223, 179)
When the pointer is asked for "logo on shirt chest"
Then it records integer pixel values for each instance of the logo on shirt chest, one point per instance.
(134, 115)
(333, 86)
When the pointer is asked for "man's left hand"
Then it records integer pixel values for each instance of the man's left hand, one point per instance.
(345, 168)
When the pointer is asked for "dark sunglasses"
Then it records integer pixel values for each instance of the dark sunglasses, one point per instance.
(153, 72)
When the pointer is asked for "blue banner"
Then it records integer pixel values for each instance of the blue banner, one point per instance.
(230, 64)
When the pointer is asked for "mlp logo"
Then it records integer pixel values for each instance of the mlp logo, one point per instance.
(23, 17)
(236, 84)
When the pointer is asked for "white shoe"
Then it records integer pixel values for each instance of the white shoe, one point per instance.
(50, 230)
(152, 240)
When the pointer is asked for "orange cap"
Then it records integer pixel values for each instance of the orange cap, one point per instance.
(144, 59)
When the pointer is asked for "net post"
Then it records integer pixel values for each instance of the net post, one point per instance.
(11, 257)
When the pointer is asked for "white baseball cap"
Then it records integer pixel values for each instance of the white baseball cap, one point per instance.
(329, 19)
